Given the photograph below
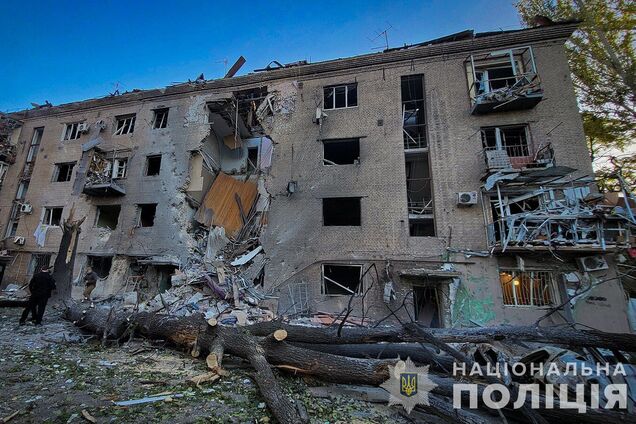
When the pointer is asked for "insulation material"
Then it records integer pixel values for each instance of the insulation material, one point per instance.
(265, 153)
(220, 207)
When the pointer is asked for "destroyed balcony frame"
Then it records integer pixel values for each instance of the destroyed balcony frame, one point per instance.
(103, 173)
(414, 121)
(519, 89)
(560, 218)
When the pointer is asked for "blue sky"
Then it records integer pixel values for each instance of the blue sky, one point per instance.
(64, 51)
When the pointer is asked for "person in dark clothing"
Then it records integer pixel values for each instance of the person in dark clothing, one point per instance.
(41, 286)
(90, 281)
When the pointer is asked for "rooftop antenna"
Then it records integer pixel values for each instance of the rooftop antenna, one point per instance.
(224, 62)
(382, 34)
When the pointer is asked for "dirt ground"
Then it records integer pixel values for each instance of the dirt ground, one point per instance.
(55, 374)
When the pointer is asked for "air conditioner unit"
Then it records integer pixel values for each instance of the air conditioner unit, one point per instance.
(100, 125)
(83, 127)
(19, 240)
(592, 263)
(26, 208)
(467, 198)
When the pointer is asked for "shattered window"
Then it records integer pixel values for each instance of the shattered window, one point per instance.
(39, 261)
(160, 118)
(527, 288)
(52, 216)
(341, 279)
(341, 211)
(147, 215)
(71, 131)
(340, 96)
(125, 124)
(101, 265)
(63, 172)
(107, 216)
(119, 168)
(513, 139)
(341, 152)
(153, 165)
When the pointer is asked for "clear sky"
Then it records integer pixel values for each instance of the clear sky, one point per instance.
(63, 51)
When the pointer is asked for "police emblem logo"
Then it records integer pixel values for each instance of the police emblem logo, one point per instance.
(408, 384)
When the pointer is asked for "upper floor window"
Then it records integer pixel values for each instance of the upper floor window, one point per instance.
(341, 211)
(153, 165)
(341, 96)
(73, 130)
(35, 144)
(52, 216)
(160, 118)
(120, 166)
(513, 139)
(341, 152)
(125, 124)
(63, 172)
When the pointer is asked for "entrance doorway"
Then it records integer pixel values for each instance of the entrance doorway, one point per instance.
(426, 304)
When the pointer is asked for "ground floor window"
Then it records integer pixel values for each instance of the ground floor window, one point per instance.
(527, 288)
(341, 279)
(101, 265)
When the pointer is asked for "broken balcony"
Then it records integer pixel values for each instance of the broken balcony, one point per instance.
(103, 174)
(510, 147)
(503, 80)
(549, 209)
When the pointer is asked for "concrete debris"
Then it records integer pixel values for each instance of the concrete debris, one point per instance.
(247, 257)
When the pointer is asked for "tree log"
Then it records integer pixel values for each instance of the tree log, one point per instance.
(559, 335)
(183, 331)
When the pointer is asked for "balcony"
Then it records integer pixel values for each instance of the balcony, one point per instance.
(103, 189)
(517, 156)
(547, 209)
(503, 80)
(102, 177)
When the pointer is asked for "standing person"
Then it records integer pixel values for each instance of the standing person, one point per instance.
(41, 286)
(90, 280)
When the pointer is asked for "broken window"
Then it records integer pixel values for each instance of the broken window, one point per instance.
(341, 96)
(52, 216)
(100, 265)
(153, 165)
(35, 144)
(527, 288)
(413, 112)
(422, 227)
(12, 228)
(23, 187)
(341, 279)
(252, 159)
(125, 124)
(513, 139)
(71, 131)
(160, 118)
(426, 305)
(39, 261)
(341, 211)
(63, 172)
(341, 152)
(146, 215)
(119, 167)
(107, 216)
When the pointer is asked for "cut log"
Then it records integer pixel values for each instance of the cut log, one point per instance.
(98, 320)
(266, 351)
(560, 335)
(384, 351)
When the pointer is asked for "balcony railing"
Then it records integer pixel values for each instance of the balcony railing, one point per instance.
(517, 157)
(420, 200)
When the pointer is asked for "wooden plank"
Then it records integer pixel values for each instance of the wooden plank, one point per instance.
(220, 208)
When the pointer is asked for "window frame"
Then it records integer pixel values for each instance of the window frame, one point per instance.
(115, 167)
(323, 288)
(139, 212)
(49, 210)
(130, 129)
(333, 92)
(98, 213)
(164, 111)
(332, 141)
(148, 159)
(71, 131)
(56, 172)
(500, 140)
(359, 198)
(515, 273)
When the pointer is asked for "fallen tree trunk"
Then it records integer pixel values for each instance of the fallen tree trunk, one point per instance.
(560, 335)
(13, 303)
(194, 331)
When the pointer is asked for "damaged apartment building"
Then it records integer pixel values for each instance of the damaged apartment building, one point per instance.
(446, 182)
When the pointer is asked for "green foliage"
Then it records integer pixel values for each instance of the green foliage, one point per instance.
(602, 58)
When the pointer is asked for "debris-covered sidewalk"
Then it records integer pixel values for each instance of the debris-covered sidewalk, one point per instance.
(55, 373)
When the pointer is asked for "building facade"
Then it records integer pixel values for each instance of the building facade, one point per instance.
(446, 182)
